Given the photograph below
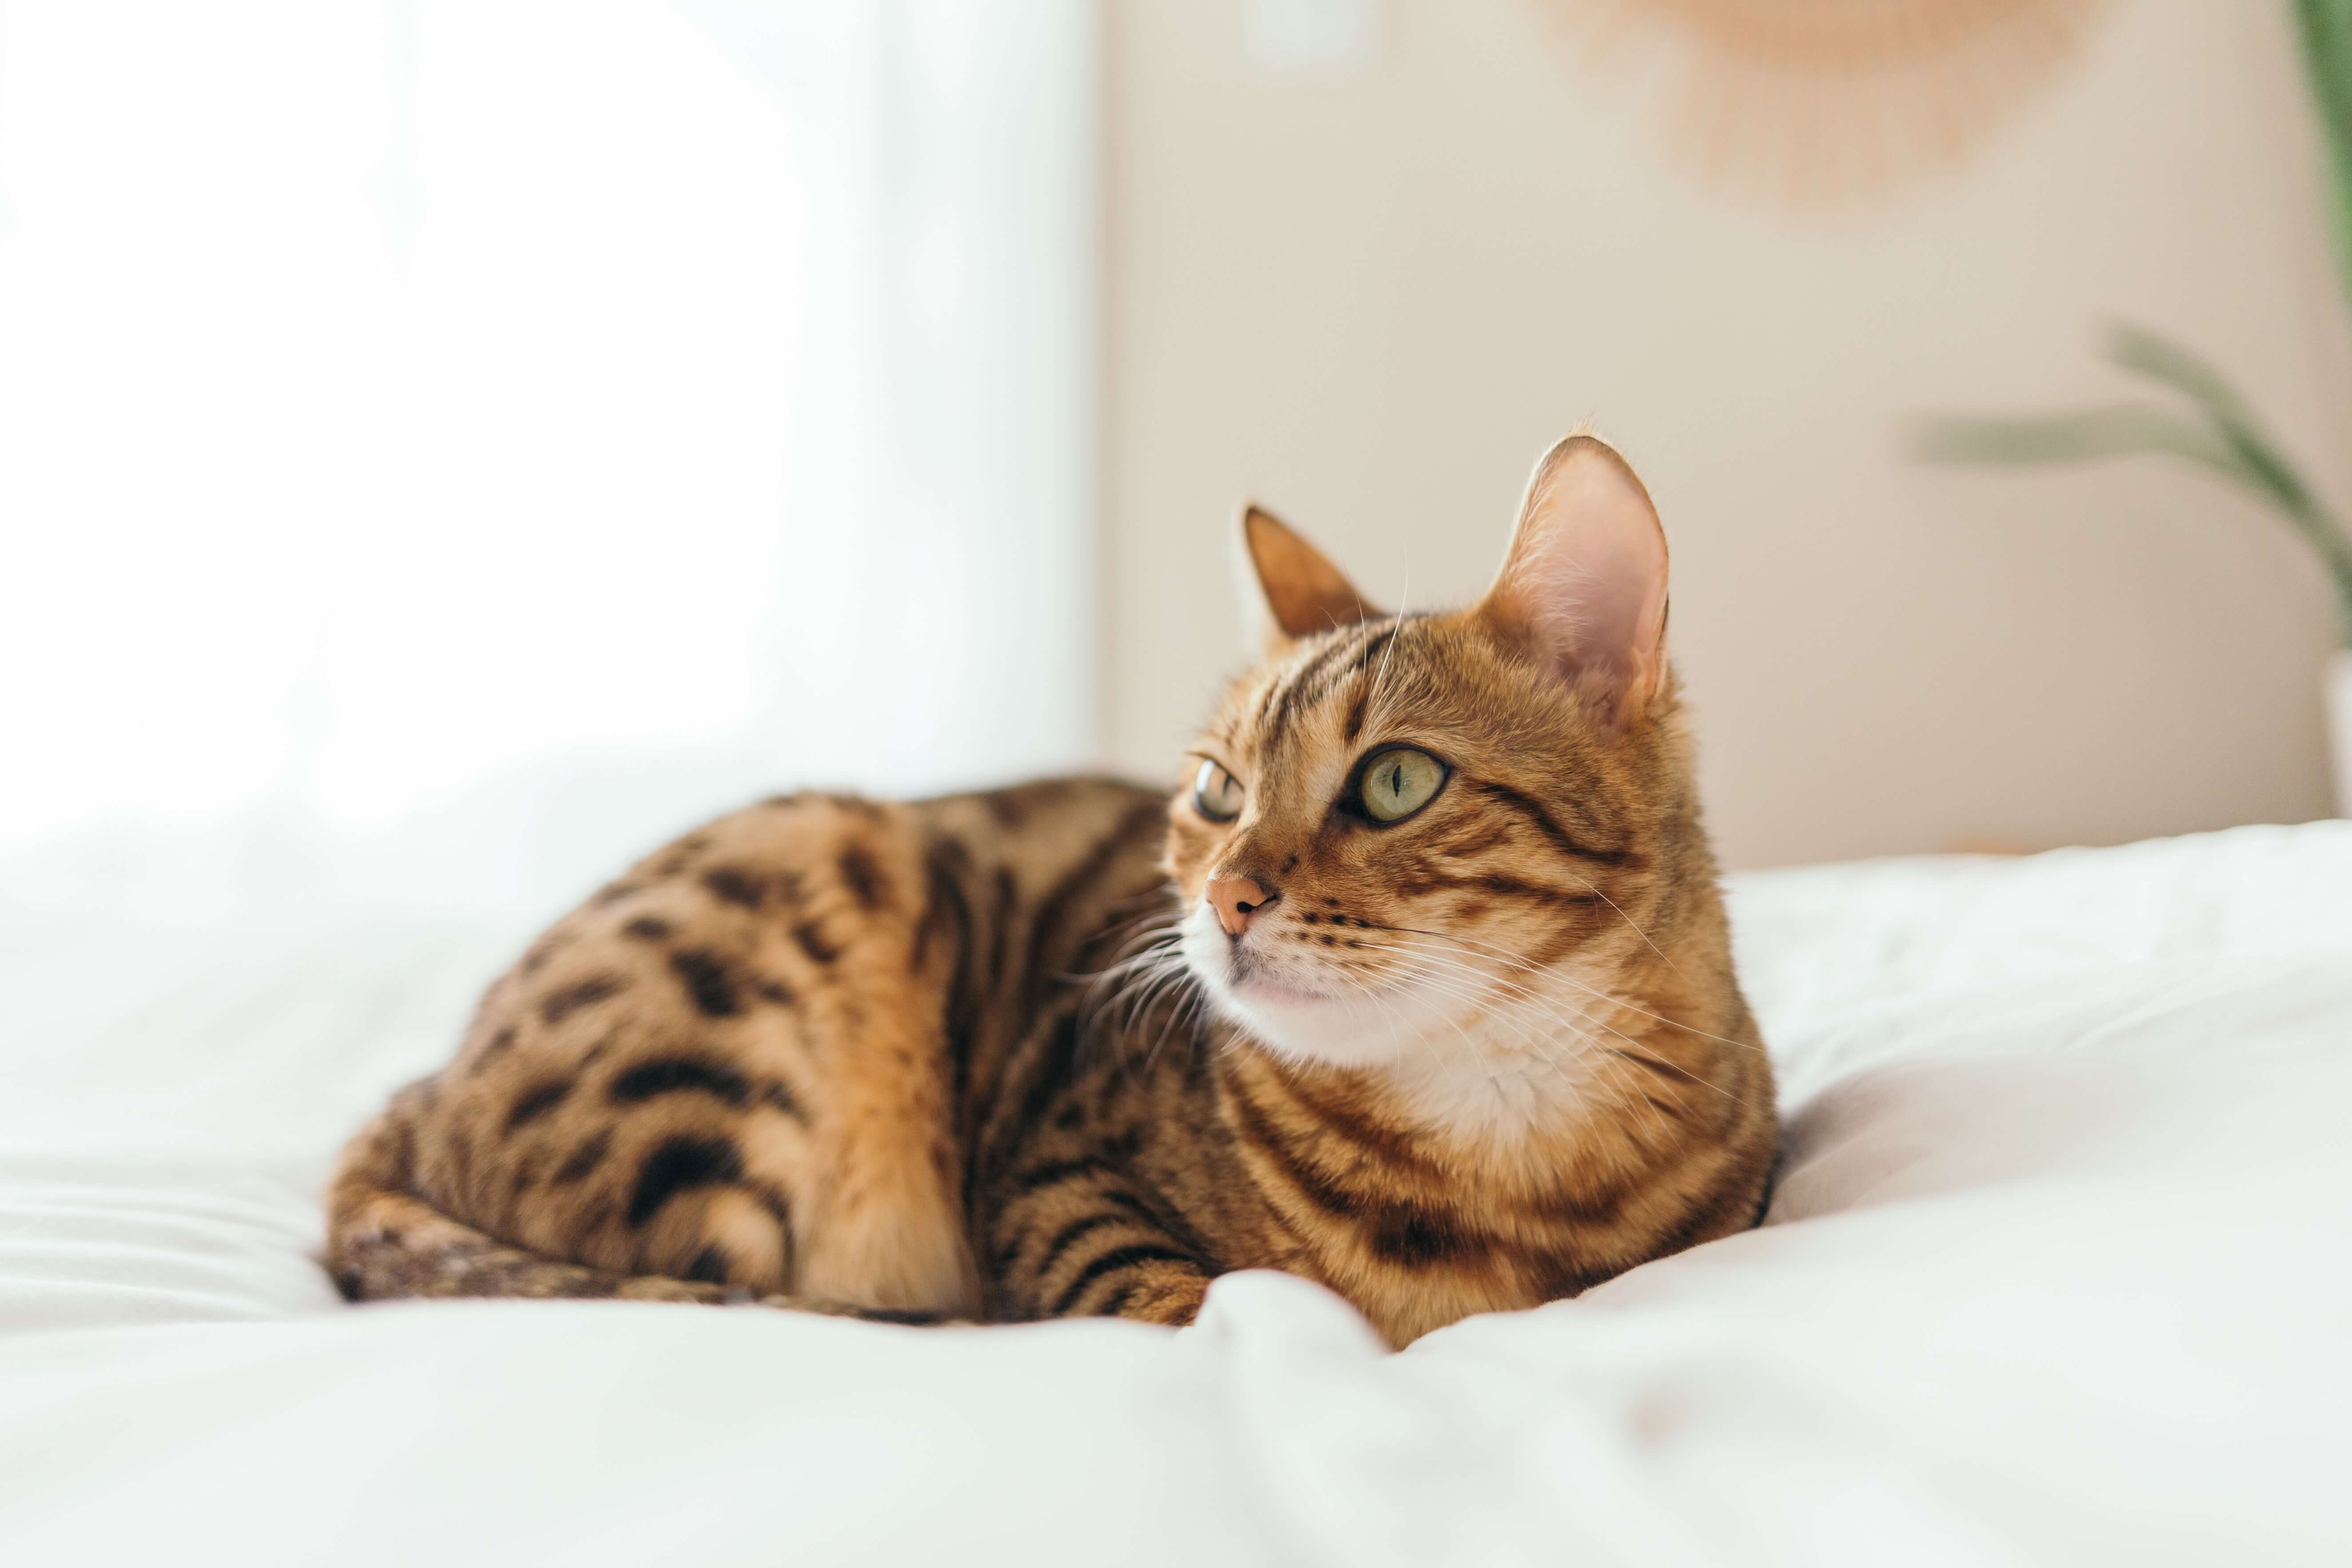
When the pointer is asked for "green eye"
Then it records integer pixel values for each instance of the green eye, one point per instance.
(1216, 794)
(1399, 782)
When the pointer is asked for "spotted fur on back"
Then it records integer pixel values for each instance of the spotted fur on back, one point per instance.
(999, 1057)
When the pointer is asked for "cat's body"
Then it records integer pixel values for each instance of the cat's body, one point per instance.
(847, 1056)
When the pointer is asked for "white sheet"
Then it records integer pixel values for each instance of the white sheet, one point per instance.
(2057, 1271)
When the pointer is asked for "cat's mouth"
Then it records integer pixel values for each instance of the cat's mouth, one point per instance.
(1249, 976)
(1273, 995)
(1295, 1005)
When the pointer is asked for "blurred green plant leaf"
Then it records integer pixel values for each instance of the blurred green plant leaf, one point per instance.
(2218, 432)
(2324, 27)
(2141, 351)
(2124, 430)
(2253, 458)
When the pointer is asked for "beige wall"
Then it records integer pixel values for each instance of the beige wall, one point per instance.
(1370, 303)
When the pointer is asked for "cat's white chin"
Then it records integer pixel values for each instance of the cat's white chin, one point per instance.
(1289, 1009)
(1481, 1077)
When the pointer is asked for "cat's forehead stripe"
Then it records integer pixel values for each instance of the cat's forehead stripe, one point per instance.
(1282, 685)
(1285, 698)
(1372, 650)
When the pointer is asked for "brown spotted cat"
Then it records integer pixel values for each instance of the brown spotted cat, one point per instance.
(1420, 987)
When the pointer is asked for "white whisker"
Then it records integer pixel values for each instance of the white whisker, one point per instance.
(1502, 955)
(1533, 998)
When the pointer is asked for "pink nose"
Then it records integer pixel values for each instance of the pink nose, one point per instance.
(1236, 898)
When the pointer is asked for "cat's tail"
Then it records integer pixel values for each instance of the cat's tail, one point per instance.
(383, 1242)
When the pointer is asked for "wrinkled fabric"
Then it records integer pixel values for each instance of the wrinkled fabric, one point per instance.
(2057, 1269)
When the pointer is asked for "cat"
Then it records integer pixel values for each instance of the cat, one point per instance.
(1420, 987)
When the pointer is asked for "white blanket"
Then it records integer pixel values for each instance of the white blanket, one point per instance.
(2057, 1271)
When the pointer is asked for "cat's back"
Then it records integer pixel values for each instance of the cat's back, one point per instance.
(753, 1057)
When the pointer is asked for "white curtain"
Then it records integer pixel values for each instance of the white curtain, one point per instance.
(447, 446)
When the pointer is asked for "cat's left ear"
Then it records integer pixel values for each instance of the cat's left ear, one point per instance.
(1304, 591)
(1583, 591)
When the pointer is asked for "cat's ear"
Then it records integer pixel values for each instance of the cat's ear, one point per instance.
(1583, 590)
(1304, 591)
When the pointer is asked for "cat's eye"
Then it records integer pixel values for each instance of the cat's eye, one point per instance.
(1216, 794)
(1399, 782)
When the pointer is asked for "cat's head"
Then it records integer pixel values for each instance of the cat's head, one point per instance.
(1397, 822)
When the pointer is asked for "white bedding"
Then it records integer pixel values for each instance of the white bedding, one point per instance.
(2057, 1271)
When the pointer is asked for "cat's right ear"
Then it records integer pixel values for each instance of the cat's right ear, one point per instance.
(1305, 594)
(1584, 589)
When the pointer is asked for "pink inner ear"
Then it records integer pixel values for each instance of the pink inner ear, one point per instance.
(1587, 576)
(1610, 587)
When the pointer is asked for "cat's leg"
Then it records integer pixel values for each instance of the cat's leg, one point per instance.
(722, 1246)
(1072, 1238)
